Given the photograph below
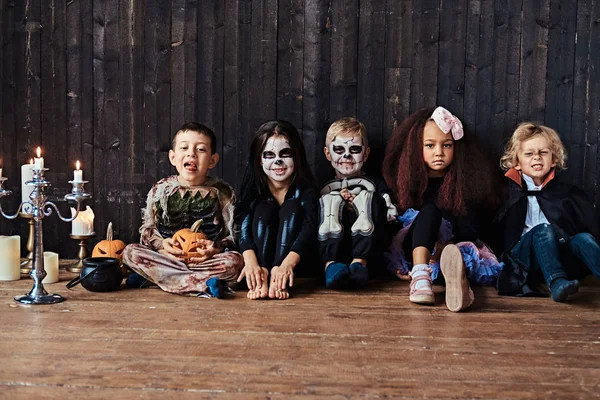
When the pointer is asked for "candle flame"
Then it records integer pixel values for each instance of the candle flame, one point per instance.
(77, 165)
(39, 152)
(31, 161)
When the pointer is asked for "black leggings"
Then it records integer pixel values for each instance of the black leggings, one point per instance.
(275, 229)
(424, 230)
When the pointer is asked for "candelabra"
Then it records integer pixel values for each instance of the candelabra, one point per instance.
(40, 208)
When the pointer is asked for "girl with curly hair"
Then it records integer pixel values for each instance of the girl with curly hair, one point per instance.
(444, 185)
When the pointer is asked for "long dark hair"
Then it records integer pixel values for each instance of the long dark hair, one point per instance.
(255, 180)
(469, 181)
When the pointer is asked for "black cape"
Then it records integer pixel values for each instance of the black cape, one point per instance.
(565, 206)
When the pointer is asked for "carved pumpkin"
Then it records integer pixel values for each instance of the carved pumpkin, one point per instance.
(186, 239)
(109, 247)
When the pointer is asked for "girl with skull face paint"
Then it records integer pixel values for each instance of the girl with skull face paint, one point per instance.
(446, 188)
(277, 211)
(354, 208)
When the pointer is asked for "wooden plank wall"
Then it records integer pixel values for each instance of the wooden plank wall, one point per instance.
(108, 82)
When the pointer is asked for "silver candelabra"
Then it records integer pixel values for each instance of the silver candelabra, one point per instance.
(40, 208)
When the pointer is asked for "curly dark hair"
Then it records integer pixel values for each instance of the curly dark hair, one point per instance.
(469, 182)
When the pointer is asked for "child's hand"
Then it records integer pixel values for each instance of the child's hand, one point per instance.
(170, 249)
(280, 276)
(347, 196)
(253, 275)
(206, 249)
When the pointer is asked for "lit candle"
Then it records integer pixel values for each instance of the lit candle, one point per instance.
(39, 160)
(10, 261)
(84, 223)
(0, 172)
(26, 175)
(77, 174)
(51, 267)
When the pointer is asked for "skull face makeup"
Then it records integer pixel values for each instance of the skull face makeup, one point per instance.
(347, 155)
(277, 160)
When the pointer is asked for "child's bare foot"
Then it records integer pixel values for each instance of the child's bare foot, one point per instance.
(277, 293)
(262, 291)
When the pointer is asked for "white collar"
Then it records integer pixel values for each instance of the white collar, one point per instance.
(530, 184)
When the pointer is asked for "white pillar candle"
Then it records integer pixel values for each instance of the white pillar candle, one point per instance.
(51, 267)
(10, 258)
(39, 160)
(26, 175)
(84, 223)
(0, 172)
(77, 173)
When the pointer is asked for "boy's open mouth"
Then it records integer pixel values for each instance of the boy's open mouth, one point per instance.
(537, 167)
(190, 166)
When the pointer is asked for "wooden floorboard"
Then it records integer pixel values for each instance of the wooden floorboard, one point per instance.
(372, 344)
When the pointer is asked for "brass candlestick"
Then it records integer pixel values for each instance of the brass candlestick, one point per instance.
(26, 265)
(82, 254)
(40, 208)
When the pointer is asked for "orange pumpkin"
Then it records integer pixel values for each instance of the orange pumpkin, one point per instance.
(187, 240)
(109, 247)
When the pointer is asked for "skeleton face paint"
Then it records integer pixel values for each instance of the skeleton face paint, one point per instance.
(277, 161)
(347, 155)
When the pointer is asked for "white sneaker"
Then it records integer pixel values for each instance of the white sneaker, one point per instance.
(424, 294)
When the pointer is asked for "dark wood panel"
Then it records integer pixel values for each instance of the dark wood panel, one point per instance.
(290, 60)
(507, 20)
(560, 79)
(371, 74)
(263, 62)
(424, 76)
(451, 65)
(484, 130)
(398, 62)
(210, 71)
(109, 82)
(58, 147)
(316, 94)
(11, 162)
(157, 91)
(107, 129)
(131, 188)
(345, 58)
(584, 142)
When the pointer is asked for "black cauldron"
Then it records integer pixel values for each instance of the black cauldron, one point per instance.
(99, 274)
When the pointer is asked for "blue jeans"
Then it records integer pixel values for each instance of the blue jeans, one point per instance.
(541, 249)
(585, 248)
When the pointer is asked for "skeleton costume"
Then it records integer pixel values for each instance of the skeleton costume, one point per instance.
(273, 230)
(352, 232)
(170, 207)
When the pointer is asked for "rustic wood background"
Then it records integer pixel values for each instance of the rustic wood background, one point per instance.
(108, 82)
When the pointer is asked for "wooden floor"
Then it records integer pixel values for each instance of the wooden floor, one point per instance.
(320, 344)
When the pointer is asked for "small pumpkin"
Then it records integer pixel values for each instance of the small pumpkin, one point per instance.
(109, 247)
(186, 239)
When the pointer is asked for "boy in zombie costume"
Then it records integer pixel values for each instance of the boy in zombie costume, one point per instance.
(176, 202)
(354, 208)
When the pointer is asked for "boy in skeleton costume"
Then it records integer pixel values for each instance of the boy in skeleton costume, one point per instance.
(353, 208)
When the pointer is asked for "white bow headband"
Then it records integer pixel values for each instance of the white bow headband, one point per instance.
(448, 122)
